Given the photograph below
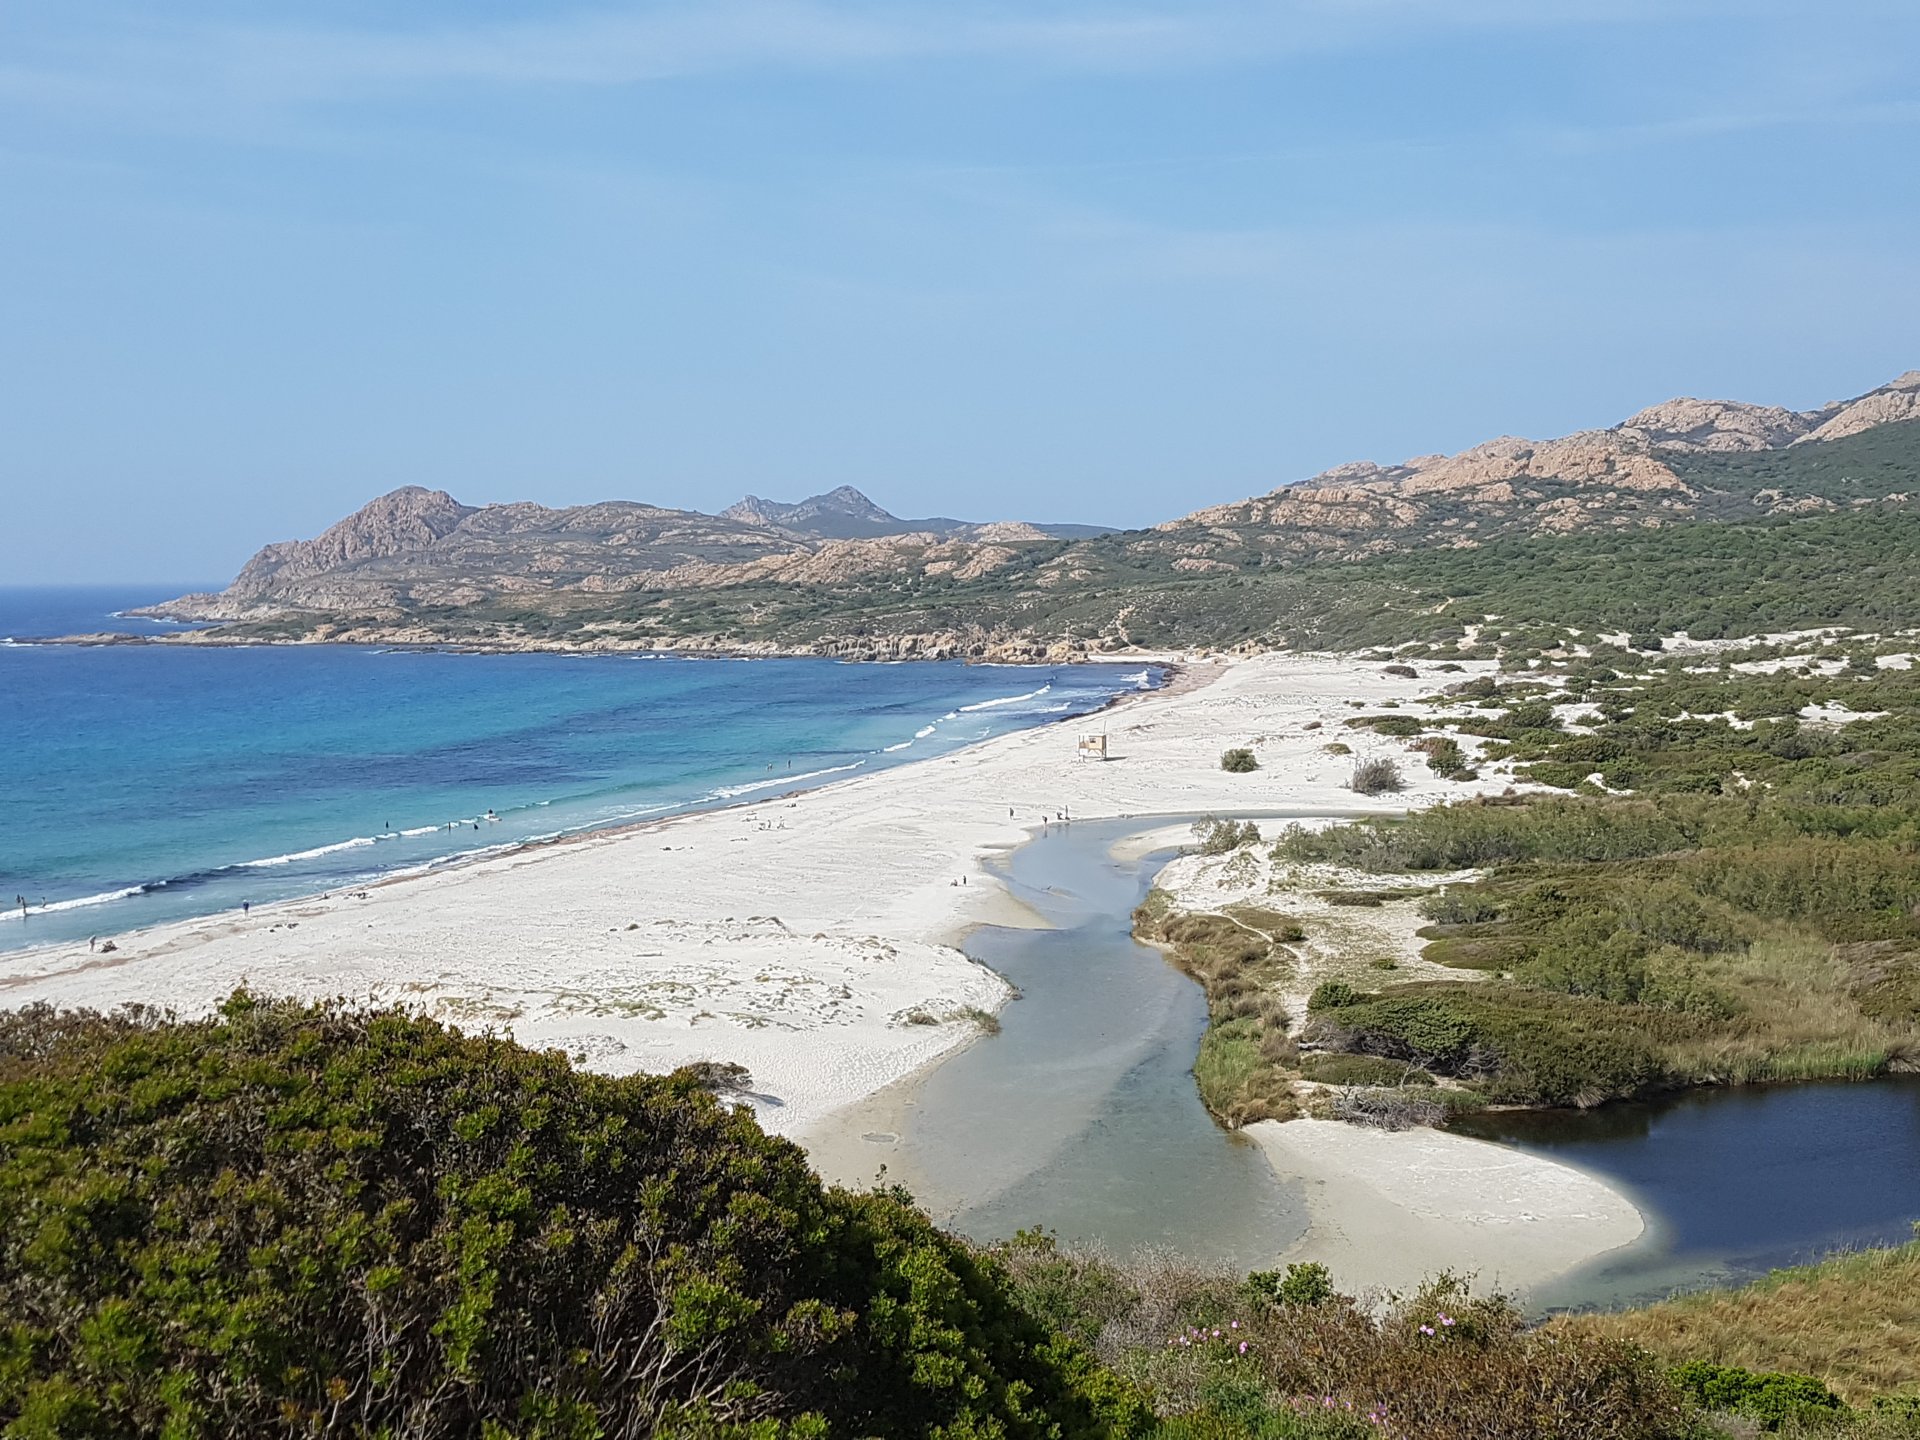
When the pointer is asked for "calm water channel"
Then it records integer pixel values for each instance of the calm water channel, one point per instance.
(1736, 1182)
(1081, 1115)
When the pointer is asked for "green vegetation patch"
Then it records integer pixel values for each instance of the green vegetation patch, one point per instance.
(288, 1220)
(1244, 1069)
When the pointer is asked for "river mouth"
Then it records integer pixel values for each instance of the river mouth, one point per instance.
(1081, 1115)
(1733, 1182)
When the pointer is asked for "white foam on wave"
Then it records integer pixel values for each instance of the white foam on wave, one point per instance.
(728, 792)
(923, 732)
(1006, 700)
(79, 903)
(356, 843)
(888, 750)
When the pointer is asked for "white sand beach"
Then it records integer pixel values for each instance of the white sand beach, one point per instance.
(811, 937)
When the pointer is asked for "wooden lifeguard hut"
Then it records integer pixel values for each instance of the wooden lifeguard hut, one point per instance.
(1093, 747)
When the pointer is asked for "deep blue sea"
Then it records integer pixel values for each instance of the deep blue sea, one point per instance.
(147, 783)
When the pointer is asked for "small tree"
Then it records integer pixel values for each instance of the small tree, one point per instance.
(1302, 1286)
(1222, 837)
(1238, 761)
(1333, 995)
(1376, 777)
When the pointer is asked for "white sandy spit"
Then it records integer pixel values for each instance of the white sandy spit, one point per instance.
(1387, 1208)
(810, 937)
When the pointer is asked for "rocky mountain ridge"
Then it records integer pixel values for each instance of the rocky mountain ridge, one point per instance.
(1643, 471)
(419, 563)
(416, 548)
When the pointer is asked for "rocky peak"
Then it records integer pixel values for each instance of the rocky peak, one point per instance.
(1889, 405)
(410, 518)
(400, 522)
(1719, 425)
(841, 503)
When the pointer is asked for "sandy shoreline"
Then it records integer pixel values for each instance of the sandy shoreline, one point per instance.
(811, 936)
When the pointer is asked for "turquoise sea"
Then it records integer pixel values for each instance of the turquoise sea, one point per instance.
(146, 784)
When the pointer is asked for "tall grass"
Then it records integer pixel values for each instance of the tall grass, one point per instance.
(1852, 1321)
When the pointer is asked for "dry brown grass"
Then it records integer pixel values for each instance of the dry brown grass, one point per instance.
(1852, 1321)
(1796, 1018)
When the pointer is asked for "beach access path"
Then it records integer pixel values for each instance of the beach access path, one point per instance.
(810, 937)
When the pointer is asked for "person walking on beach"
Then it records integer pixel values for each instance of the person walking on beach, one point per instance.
(246, 907)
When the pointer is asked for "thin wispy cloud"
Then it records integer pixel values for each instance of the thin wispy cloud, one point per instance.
(278, 63)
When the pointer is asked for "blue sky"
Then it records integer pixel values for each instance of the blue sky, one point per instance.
(1047, 260)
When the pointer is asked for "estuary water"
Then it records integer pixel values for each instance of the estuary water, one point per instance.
(145, 784)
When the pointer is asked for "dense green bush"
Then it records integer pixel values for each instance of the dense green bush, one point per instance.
(1460, 905)
(1555, 773)
(1518, 1045)
(1399, 726)
(1769, 1397)
(1238, 761)
(289, 1221)
(1332, 994)
(1445, 757)
(1300, 1285)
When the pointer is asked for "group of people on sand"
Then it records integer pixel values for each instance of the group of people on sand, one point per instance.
(1061, 816)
